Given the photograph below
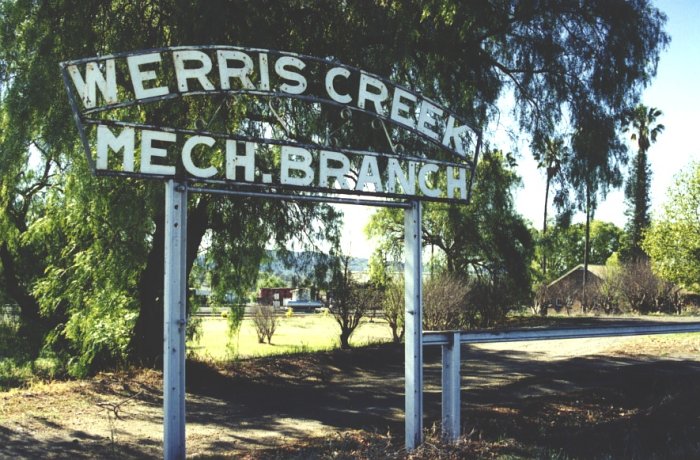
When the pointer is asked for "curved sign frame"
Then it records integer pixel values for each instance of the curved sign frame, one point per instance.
(105, 88)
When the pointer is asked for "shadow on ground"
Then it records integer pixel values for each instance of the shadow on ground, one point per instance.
(583, 407)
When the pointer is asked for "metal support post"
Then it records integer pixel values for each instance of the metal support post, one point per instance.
(451, 385)
(175, 321)
(414, 327)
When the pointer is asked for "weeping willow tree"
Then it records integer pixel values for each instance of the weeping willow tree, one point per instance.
(83, 256)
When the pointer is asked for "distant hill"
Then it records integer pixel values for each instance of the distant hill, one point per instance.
(296, 266)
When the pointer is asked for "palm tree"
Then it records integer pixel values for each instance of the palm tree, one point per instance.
(642, 121)
(550, 159)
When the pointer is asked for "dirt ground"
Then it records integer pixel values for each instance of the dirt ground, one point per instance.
(620, 397)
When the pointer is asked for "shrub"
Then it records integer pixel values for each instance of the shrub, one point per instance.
(350, 300)
(444, 302)
(265, 322)
(645, 292)
(394, 309)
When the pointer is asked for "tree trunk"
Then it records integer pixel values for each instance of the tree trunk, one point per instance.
(345, 338)
(586, 249)
(147, 340)
(32, 326)
(544, 227)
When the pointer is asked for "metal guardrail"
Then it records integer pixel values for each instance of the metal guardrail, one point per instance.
(451, 359)
(520, 335)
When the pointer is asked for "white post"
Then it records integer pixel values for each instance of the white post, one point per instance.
(451, 385)
(174, 301)
(414, 327)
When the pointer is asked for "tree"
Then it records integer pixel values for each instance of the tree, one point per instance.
(550, 157)
(265, 322)
(81, 254)
(673, 240)
(642, 120)
(593, 170)
(394, 311)
(350, 300)
(567, 245)
(379, 274)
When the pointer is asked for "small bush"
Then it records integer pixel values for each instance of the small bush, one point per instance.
(265, 322)
(639, 289)
(444, 300)
(394, 309)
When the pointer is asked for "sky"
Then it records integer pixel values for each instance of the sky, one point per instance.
(675, 90)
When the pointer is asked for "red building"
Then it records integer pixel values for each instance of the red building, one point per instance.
(274, 296)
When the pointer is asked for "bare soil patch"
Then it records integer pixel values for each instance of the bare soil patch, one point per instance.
(631, 398)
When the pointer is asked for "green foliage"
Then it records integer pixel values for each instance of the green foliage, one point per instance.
(394, 310)
(17, 366)
(673, 240)
(234, 319)
(379, 269)
(268, 280)
(641, 120)
(565, 246)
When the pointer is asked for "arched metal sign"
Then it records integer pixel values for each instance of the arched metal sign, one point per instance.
(251, 143)
(138, 86)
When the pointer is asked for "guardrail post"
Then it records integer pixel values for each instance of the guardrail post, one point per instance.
(174, 320)
(414, 327)
(451, 386)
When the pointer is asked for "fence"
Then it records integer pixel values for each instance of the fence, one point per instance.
(451, 353)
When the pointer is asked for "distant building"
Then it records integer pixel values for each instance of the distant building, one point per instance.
(303, 300)
(566, 292)
(274, 296)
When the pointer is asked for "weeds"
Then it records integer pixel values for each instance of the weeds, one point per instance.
(113, 414)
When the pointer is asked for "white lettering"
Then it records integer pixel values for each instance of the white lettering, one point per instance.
(425, 170)
(398, 107)
(299, 160)
(93, 80)
(138, 76)
(330, 85)
(395, 172)
(339, 174)
(369, 174)
(241, 73)
(107, 141)
(376, 98)
(453, 136)
(456, 182)
(190, 167)
(281, 69)
(148, 151)
(429, 114)
(199, 73)
(264, 72)
(233, 160)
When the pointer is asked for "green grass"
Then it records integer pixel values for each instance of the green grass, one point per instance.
(299, 333)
